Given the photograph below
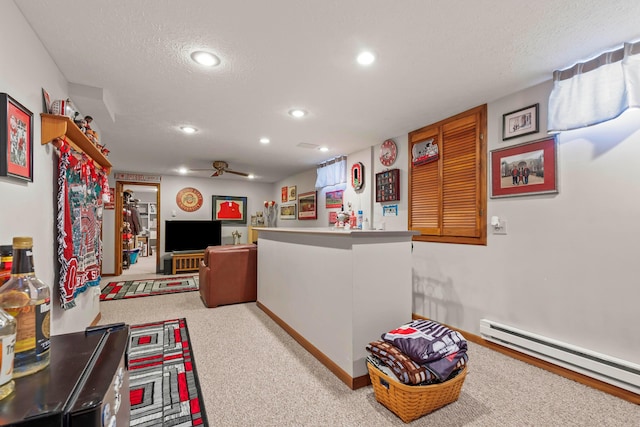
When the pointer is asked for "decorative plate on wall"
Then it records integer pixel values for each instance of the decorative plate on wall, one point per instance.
(189, 199)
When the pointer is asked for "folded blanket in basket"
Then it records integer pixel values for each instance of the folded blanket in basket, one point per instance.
(429, 342)
(407, 371)
(432, 379)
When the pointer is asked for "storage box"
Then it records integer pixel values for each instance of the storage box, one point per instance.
(410, 402)
(133, 255)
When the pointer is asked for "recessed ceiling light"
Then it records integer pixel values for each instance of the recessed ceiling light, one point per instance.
(265, 140)
(323, 149)
(182, 171)
(366, 58)
(251, 176)
(297, 113)
(188, 129)
(205, 58)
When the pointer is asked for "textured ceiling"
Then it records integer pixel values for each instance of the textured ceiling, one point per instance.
(128, 65)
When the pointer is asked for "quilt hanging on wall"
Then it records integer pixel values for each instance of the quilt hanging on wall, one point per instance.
(79, 221)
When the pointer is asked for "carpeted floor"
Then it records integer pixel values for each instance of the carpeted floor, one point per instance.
(148, 287)
(252, 373)
(163, 382)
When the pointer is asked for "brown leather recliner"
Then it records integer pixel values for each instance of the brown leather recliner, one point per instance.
(228, 275)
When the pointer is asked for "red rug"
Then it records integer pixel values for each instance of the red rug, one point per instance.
(163, 383)
(148, 287)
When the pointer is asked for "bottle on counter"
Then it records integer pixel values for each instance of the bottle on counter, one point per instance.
(28, 300)
(7, 343)
(359, 220)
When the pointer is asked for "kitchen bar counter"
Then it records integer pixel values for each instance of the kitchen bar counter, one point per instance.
(335, 291)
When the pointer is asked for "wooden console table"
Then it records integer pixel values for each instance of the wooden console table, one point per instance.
(181, 263)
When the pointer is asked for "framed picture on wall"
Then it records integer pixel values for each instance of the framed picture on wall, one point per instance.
(520, 122)
(284, 194)
(230, 209)
(524, 169)
(16, 139)
(293, 195)
(307, 203)
(334, 199)
(288, 211)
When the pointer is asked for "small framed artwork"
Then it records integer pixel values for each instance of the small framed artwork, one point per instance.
(307, 205)
(293, 195)
(333, 217)
(524, 169)
(388, 186)
(230, 209)
(284, 194)
(334, 199)
(16, 139)
(288, 211)
(520, 122)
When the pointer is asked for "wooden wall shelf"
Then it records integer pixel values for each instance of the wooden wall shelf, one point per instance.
(56, 127)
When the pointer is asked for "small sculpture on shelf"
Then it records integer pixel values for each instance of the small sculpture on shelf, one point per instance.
(236, 237)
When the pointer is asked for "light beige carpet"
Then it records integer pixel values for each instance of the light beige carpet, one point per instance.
(252, 373)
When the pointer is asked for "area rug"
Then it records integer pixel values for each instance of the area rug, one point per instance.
(163, 383)
(148, 287)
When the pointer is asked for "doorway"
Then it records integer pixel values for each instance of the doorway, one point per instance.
(137, 247)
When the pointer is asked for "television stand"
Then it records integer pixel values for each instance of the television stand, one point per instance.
(184, 261)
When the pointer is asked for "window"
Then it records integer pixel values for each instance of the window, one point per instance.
(448, 190)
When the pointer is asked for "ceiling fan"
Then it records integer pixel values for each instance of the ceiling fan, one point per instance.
(220, 167)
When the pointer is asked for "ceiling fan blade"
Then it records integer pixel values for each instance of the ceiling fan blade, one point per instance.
(237, 173)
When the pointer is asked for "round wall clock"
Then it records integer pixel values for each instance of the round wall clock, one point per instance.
(189, 199)
(388, 152)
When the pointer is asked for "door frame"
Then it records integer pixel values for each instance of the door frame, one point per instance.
(119, 218)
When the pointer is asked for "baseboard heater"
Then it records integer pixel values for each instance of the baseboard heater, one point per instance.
(605, 368)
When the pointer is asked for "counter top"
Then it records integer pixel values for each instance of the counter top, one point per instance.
(330, 231)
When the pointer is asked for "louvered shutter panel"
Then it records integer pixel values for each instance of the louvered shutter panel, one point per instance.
(425, 206)
(460, 183)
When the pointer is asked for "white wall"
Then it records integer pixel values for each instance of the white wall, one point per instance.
(567, 269)
(28, 209)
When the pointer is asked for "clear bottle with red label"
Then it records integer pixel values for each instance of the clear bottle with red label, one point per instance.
(28, 300)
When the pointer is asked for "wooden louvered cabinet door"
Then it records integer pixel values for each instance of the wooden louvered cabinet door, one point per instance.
(447, 197)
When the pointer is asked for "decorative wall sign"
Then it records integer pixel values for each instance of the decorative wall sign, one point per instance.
(524, 169)
(307, 205)
(293, 195)
(333, 217)
(189, 199)
(284, 194)
(334, 199)
(16, 139)
(388, 152)
(357, 175)
(230, 209)
(110, 202)
(388, 186)
(390, 210)
(424, 152)
(125, 176)
(520, 122)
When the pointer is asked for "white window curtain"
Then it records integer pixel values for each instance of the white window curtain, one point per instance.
(332, 172)
(595, 91)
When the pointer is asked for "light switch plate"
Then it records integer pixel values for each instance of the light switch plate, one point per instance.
(502, 229)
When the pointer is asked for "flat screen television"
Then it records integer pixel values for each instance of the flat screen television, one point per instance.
(185, 235)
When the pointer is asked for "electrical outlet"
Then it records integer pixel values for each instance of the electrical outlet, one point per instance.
(502, 229)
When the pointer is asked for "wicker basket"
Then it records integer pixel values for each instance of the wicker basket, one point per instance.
(410, 402)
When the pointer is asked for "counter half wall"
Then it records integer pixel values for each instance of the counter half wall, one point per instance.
(336, 291)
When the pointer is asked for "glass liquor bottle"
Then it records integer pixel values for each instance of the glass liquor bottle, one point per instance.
(28, 300)
(7, 344)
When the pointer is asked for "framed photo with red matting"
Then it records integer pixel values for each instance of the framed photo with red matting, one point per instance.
(284, 194)
(16, 139)
(307, 203)
(524, 169)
